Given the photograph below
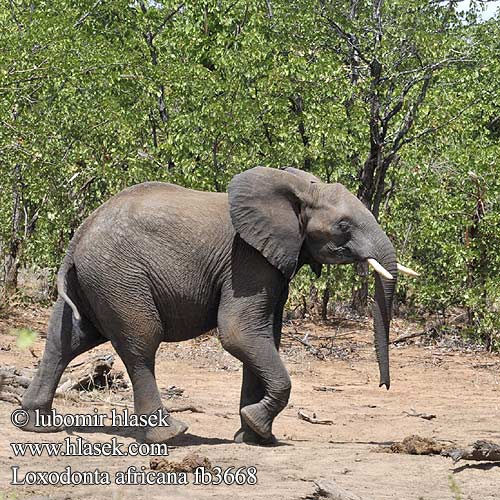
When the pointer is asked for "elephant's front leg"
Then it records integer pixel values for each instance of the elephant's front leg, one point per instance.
(252, 388)
(248, 334)
(252, 391)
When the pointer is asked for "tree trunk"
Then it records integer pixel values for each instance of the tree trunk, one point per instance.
(14, 244)
(298, 108)
(476, 265)
(372, 174)
(324, 302)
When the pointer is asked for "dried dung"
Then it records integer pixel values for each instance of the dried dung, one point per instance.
(188, 464)
(416, 445)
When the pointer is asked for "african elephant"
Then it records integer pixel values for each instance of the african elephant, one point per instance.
(162, 263)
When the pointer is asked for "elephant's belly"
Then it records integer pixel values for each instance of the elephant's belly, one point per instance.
(185, 319)
(187, 295)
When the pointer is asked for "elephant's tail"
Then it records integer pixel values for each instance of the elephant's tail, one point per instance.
(62, 284)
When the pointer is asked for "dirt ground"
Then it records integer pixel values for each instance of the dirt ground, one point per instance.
(461, 387)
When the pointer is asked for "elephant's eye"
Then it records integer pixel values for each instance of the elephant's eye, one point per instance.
(341, 233)
(343, 226)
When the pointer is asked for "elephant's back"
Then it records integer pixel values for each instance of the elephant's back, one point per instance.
(160, 199)
(154, 217)
(157, 200)
(154, 207)
(156, 247)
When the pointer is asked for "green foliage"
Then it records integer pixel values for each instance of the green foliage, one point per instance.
(96, 96)
(454, 488)
(25, 337)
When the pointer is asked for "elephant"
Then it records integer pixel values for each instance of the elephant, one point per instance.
(162, 263)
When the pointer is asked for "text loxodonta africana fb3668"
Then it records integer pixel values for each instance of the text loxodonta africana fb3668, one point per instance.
(161, 263)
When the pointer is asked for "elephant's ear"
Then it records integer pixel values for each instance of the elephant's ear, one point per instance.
(304, 175)
(316, 267)
(266, 208)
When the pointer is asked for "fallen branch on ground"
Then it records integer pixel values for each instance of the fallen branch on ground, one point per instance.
(10, 398)
(189, 463)
(408, 336)
(309, 346)
(191, 408)
(104, 402)
(313, 419)
(425, 416)
(13, 383)
(481, 450)
(176, 409)
(486, 366)
(13, 377)
(326, 388)
(172, 392)
(328, 489)
(96, 373)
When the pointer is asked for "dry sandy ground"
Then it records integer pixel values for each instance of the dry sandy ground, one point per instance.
(461, 387)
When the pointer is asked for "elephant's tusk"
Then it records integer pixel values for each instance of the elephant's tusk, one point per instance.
(407, 270)
(380, 269)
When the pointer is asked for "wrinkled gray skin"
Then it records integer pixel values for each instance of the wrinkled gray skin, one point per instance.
(161, 263)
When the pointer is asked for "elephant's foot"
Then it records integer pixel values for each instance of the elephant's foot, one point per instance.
(31, 420)
(162, 434)
(258, 419)
(248, 436)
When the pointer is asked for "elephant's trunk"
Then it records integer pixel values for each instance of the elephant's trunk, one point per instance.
(382, 308)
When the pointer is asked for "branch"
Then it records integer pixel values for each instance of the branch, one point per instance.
(230, 8)
(438, 127)
(353, 58)
(312, 420)
(12, 71)
(349, 38)
(411, 115)
(399, 104)
(168, 18)
(191, 408)
(377, 18)
(269, 9)
(29, 225)
(239, 26)
(13, 12)
(329, 489)
(481, 450)
(149, 36)
(431, 67)
(215, 149)
(162, 107)
(408, 336)
(311, 348)
(353, 9)
(87, 14)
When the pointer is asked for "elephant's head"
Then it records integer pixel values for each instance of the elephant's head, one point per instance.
(286, 214)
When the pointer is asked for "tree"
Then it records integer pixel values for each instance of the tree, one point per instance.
(398, 101)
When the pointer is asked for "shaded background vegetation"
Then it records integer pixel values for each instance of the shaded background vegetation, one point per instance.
(398, 100)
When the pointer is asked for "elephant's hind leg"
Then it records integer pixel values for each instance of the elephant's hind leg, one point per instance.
(65, 340)
(136, 345)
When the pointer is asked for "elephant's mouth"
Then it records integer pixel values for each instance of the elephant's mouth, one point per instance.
(339, 255)
(332, 254)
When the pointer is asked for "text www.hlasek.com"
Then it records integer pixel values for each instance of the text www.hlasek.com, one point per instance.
(80, 447)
